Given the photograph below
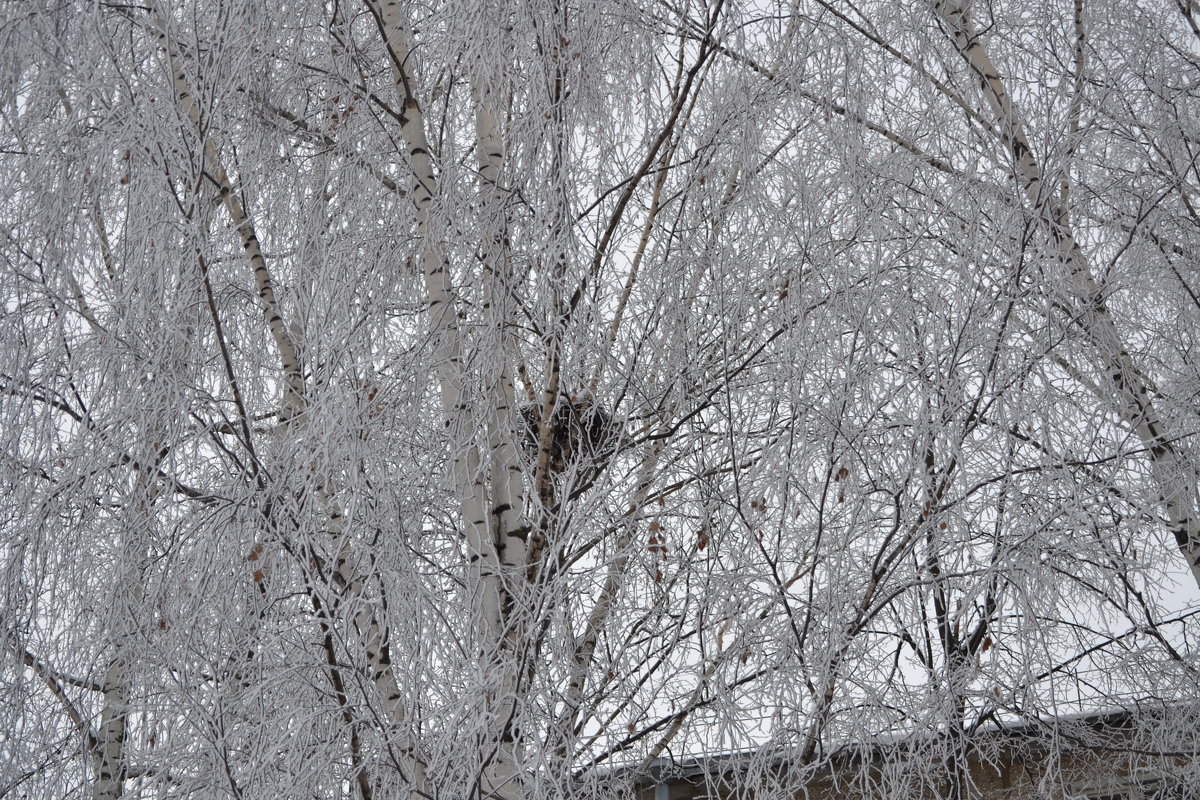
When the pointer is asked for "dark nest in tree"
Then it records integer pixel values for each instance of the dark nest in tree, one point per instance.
(583, 435)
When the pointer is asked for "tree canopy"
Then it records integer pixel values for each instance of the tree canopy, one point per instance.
(490, 400)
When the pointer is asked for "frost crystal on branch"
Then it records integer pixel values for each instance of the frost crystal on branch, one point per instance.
(529, 401)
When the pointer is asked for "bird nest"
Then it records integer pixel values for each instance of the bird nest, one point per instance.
(583, 434)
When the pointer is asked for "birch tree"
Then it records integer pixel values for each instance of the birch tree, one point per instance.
(499, 400)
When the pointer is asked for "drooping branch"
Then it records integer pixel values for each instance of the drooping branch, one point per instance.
(56, 682)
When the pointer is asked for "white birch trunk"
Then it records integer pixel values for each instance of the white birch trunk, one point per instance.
(502, 772)
(1175, 477)
(491, 491)
(109, 753)
(289, 354)
(374, 637)
(467, 466)
(372, 632)
(111, 734)
(598, 618)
